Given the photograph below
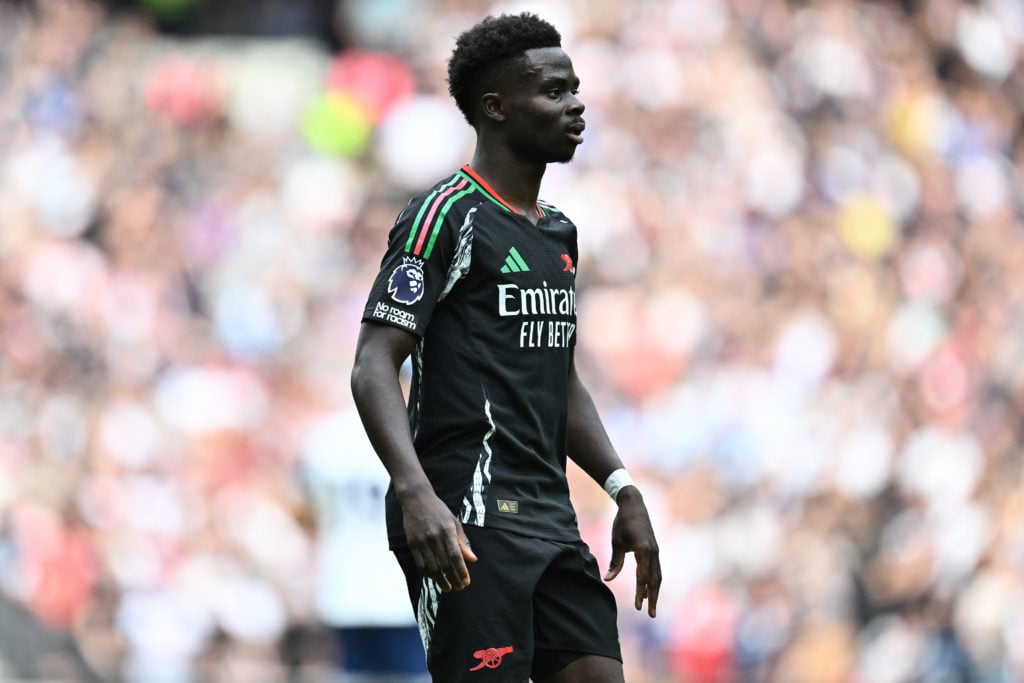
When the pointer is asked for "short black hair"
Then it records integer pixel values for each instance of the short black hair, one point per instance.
(483, 50)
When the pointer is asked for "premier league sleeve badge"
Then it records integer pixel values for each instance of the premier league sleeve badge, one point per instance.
(406, 282)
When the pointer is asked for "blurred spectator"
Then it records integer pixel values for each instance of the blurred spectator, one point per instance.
(800, 244)
(358, 582)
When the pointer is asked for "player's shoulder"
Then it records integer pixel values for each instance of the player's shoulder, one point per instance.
(435, 215)
(554, 219)
(549, 207)
(449, 190)
(453, 195)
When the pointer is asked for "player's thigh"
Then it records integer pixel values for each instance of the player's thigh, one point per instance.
(587, 669)
(575, 616)
(484, 632)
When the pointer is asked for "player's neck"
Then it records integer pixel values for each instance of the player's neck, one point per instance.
(516, 182)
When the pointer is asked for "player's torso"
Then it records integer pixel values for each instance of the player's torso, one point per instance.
(520, 288)
(494, 370)
(504, 333)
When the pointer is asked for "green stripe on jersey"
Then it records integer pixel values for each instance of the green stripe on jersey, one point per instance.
(415, 229)
(440, 218)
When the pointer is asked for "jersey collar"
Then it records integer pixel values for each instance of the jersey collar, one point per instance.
(489, 192)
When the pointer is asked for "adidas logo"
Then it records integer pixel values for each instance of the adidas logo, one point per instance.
(514, 263)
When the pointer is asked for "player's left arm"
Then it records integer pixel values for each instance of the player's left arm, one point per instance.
(591, 449)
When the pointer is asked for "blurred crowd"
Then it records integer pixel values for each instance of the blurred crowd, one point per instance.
(801, 313)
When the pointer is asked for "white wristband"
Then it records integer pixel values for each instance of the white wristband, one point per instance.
(616, 481)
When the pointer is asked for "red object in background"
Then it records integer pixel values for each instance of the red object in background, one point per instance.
(58, 561)
(377, 81)
(66, 579)
(183, 91)
(701, 649)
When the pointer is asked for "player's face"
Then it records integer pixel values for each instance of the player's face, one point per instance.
(545, 114)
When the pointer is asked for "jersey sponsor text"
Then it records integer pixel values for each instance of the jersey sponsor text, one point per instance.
(546, 334)
(516, 300)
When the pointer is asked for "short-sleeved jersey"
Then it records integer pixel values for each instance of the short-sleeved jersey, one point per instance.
(492, 299)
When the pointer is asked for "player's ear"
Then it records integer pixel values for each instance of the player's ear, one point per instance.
(492, 106)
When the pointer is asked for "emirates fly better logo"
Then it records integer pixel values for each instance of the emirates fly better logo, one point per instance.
(491, 657)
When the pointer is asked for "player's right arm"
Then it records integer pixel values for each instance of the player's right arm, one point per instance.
(435, 537)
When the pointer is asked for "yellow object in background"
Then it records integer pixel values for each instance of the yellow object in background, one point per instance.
(865, 226)
(335, 124)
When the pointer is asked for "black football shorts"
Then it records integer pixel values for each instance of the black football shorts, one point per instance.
(532, 607)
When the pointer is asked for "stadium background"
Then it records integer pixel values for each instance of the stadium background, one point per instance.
(801, 313)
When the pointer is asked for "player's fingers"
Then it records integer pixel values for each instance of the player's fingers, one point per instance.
(439, 573)
(648, 576)
(454, 580)
(426, 560)
(642, 565)
(454, 563)
(618, 557)
(449, 558)
(652, 599)
(465, 547)
(458, 573)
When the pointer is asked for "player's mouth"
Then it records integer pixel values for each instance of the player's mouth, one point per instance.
(575, 131)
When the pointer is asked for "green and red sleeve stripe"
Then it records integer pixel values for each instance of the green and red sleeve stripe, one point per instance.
(427, 224)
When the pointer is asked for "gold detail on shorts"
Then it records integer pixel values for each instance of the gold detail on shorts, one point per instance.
(509, 506)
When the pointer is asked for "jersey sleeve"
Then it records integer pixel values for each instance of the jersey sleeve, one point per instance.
(415, 267)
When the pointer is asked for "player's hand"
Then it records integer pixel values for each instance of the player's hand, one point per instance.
(437, 542)
(632, 532)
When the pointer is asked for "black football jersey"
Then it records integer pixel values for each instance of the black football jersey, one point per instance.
(492, 299)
